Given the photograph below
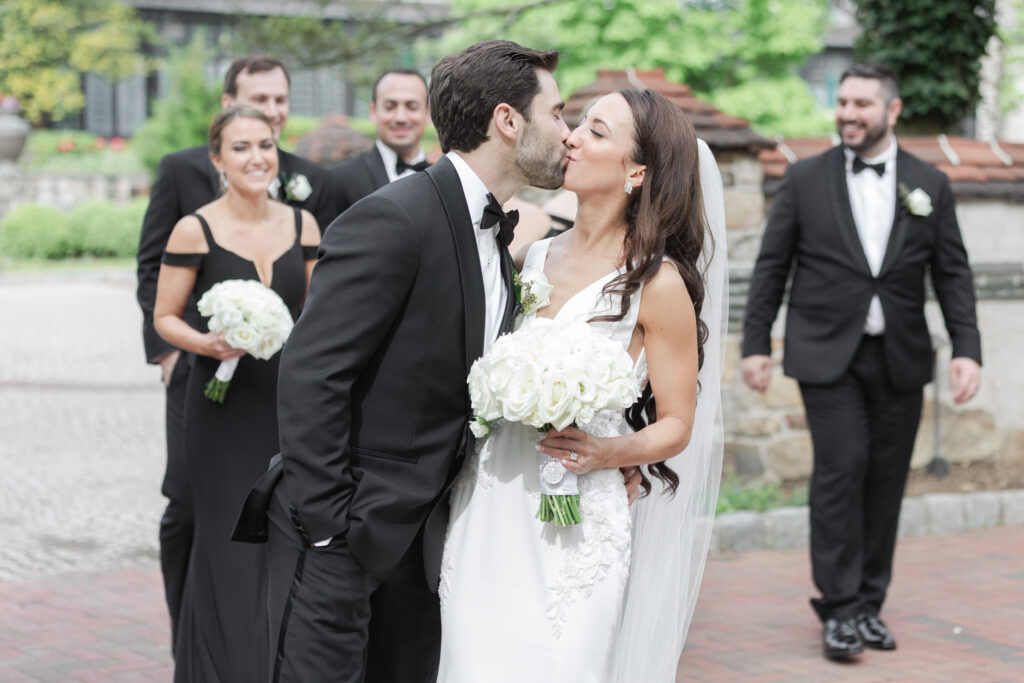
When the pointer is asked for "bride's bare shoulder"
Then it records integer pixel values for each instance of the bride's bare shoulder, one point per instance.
(665, 297)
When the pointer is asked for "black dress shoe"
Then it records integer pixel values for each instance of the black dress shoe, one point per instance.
(874, 632)
(839, 639)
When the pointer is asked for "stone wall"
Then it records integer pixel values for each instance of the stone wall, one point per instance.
(65, 191)
(766, 435)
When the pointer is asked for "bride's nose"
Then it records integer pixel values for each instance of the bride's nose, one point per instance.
(574, 139)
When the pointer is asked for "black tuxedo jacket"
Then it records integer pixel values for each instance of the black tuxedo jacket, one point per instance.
(811, 224)
(355, 178)
(186, 180)
(373, 408)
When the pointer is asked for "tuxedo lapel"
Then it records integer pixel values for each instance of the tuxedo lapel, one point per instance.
(375, 167)
(511, 304)
(446, 181)
(839, 200)
(900, 216)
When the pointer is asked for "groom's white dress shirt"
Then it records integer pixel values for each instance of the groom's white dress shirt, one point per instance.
(486, 245)
(873, 202)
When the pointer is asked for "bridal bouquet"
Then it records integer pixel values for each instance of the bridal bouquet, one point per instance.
(551, 375)
(252, 317)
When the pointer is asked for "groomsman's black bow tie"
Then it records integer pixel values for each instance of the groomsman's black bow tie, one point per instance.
(506, 221)
(401, 165)
(859, 165)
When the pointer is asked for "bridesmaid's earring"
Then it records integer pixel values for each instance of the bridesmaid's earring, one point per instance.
(223, 180)
(628, 187)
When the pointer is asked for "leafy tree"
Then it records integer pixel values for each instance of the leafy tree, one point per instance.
(182, 117)
(741, 55)
(46, 46)
(935, 48)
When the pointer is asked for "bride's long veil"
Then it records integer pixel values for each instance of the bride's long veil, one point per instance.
(671, 534)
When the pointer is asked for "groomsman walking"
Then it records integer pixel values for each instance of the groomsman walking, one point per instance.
(864, 222)
(186, 180)
(400, 111)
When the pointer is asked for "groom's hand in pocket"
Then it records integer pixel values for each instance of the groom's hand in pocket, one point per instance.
(631, 477)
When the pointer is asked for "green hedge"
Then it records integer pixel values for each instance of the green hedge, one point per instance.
(93, 228)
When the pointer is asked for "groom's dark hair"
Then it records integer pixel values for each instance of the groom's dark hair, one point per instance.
(466, 87)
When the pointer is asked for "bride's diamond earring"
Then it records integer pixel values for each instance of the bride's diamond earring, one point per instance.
(628, 187)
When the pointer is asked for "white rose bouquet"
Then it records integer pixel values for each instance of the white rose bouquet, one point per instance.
(551, 375)
(252, 317)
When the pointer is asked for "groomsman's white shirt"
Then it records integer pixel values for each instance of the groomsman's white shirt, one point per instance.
(873, 202)
(486, 245)
(390, 158)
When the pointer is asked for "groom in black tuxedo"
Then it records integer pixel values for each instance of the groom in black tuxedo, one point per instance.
(413, 283)
(400, 111)
(864, 223)
(185, 181)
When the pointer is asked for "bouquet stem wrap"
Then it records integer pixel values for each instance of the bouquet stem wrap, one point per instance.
(217, 387)
(559, 493)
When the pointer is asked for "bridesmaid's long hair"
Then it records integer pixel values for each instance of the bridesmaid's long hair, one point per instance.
(665, 218)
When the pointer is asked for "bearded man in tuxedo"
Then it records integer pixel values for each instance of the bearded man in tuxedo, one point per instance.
(864, 222)
(400, 111)
(186, 180)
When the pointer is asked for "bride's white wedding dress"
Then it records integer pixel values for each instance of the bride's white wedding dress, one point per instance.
(611, 598)
(524, 600)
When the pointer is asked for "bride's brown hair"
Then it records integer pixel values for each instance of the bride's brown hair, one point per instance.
(665, 218)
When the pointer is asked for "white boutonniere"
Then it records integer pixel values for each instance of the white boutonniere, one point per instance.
(297, 187)
(532, 290)
(917, 200)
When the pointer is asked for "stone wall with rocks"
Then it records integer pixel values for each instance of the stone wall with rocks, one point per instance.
(65, 191)
(766, 434)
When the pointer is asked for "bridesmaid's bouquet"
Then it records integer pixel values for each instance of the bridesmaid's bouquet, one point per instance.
(252, 317)
(550, 375)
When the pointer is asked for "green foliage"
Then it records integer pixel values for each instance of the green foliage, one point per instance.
(182, 117)
(741, 54)
(32, 231)
(105, 229)
(94, 228)
(46, 46)
(734, 496)
(1012, 36)
(935, 48)
(76, 151)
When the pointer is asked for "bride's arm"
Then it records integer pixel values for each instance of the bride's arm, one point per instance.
(173, 288)
(670, 342)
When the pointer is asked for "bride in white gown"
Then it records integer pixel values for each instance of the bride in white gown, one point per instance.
(609, 599)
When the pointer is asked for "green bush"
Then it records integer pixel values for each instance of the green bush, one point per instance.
(104, 229)
(734, 496)
(32, 231)
(97, 228)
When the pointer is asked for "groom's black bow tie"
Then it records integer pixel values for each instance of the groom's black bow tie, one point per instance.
(506, 221)
(401, 165)
(859, 165)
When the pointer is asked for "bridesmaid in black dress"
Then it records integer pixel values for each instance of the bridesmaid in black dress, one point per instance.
(241, 235)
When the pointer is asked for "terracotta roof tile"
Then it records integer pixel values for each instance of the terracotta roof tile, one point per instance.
(976, 161)
(719, 130)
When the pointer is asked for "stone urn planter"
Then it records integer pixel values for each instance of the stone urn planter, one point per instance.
(14, 130)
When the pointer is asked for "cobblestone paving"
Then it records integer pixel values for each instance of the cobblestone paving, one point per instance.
(81, 419)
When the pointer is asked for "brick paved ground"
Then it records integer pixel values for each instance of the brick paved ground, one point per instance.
(81, 458)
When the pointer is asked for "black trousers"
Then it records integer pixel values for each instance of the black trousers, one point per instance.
(178, 521)
(332, 621)
(863, 432)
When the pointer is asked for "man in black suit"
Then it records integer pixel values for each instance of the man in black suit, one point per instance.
(864, 222)
(186, 180)
(413, 283)
(400, 111)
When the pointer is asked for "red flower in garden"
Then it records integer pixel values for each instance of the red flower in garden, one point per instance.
(100, 143)
(66, 146)
(116, 143)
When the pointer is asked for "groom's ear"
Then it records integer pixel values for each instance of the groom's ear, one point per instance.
(508, 122)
